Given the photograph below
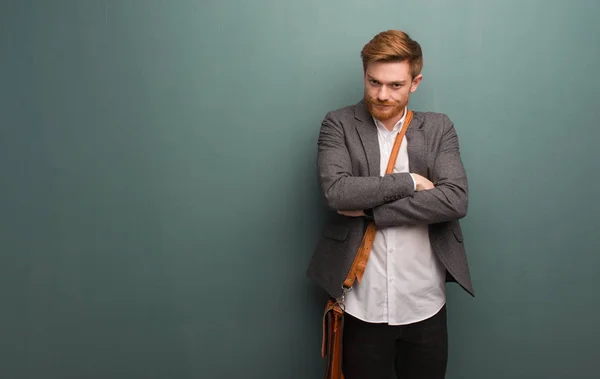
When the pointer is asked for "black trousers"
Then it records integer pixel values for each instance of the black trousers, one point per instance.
(414, 351)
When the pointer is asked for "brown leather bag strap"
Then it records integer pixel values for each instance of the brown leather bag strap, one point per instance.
(333, 325)
(359, 264)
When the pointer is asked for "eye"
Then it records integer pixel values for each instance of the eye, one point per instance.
(373, 82)
(396, 85)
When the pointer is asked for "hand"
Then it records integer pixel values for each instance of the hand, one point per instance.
(352, 213)
(422, 182)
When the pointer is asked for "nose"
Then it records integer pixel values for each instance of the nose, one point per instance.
(383, 94)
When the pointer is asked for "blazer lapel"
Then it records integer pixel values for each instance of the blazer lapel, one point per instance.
(368, 135)
(367, 132)
(415, 138)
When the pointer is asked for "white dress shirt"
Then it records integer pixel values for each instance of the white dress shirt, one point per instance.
(404, 282)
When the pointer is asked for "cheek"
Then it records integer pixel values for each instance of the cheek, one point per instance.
(400, 95)
(404, 93)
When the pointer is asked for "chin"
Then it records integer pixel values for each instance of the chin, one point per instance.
(382, 116)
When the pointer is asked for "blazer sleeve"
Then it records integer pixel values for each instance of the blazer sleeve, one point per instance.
(447, 201)
(342, 190)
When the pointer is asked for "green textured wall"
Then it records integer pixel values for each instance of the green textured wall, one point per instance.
(158, 195)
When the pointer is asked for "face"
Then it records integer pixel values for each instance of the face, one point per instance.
(388, 86)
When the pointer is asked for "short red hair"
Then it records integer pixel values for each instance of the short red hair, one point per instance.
(393, 46)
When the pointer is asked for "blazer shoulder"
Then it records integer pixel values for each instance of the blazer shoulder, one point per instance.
(432, 117)
(433, 121)
(343, 113)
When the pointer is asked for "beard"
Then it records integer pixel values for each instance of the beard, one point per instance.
(392, 108)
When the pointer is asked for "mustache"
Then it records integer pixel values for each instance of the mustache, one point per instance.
(386, 103)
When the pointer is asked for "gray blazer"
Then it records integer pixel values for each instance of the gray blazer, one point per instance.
(349, 174)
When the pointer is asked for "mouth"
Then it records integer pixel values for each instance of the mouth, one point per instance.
(382, 106)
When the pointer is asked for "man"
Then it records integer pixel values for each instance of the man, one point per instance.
(395, 316)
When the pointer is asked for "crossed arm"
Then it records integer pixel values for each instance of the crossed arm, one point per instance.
(342, 190)
(393, 199)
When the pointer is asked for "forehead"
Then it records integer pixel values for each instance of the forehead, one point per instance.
(389, 71)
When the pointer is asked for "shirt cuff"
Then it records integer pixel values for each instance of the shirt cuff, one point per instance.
(414, 183)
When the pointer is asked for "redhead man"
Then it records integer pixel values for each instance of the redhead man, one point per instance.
(395, 317)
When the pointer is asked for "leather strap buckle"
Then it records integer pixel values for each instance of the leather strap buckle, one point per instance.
(341, 300)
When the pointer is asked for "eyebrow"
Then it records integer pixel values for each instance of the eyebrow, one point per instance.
(377, 80)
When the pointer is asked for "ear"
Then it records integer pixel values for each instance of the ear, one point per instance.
(415, 82)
